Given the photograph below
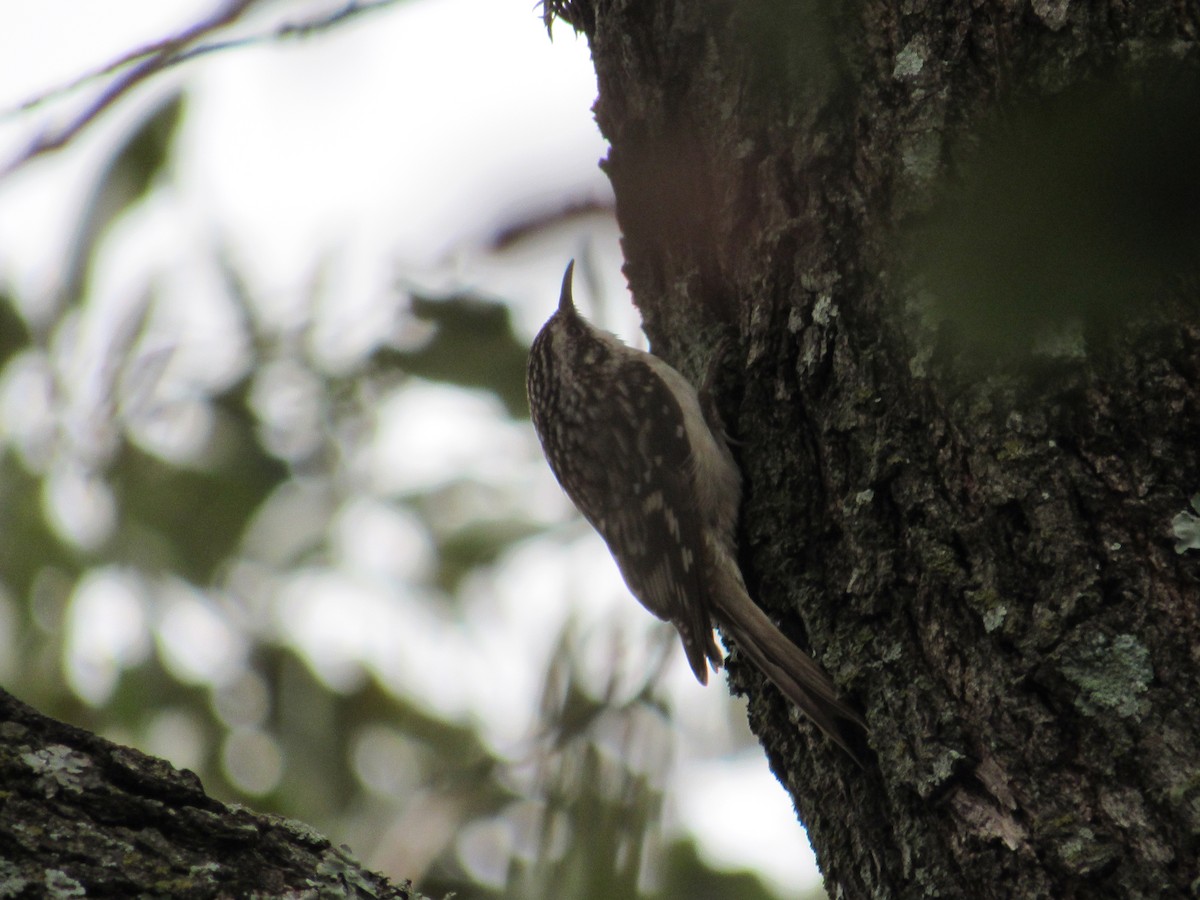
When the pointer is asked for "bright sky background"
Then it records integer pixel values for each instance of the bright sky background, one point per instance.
(398, 143)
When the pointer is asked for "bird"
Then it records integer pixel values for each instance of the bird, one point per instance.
(648, 464)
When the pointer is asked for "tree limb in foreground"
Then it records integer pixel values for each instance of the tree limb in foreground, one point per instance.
(80, 815)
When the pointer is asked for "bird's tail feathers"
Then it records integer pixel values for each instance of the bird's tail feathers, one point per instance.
(788, 667)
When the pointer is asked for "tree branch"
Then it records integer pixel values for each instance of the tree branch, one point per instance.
(158, 56)
(81, 815)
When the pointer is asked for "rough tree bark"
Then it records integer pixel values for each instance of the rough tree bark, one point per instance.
(81, 816)
(977, 544)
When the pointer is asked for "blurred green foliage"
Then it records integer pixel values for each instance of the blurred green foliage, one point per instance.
(472, 345)
(363, 763)
(128, 177)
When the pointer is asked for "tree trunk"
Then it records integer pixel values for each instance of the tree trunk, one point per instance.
(80, 816)
(968, 440)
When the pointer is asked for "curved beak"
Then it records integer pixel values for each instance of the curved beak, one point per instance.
(566, 303)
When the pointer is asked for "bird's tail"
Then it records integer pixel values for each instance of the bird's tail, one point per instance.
(790, 669)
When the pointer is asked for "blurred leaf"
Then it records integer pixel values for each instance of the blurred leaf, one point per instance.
(124, 180)
(600, 771)
(473, 345)
(597, 818)
(313, 728)
(144, 156)
(146, 689)
(478, 544)
(14, 332)
(686, 874)
(27, 545)
(190, 520)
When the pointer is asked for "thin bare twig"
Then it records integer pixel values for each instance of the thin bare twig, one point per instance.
(286, 30)
(156, 57)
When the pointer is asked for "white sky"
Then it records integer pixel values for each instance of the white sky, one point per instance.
(398, 143)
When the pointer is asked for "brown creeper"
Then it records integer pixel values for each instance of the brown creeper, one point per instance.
(629, 442)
